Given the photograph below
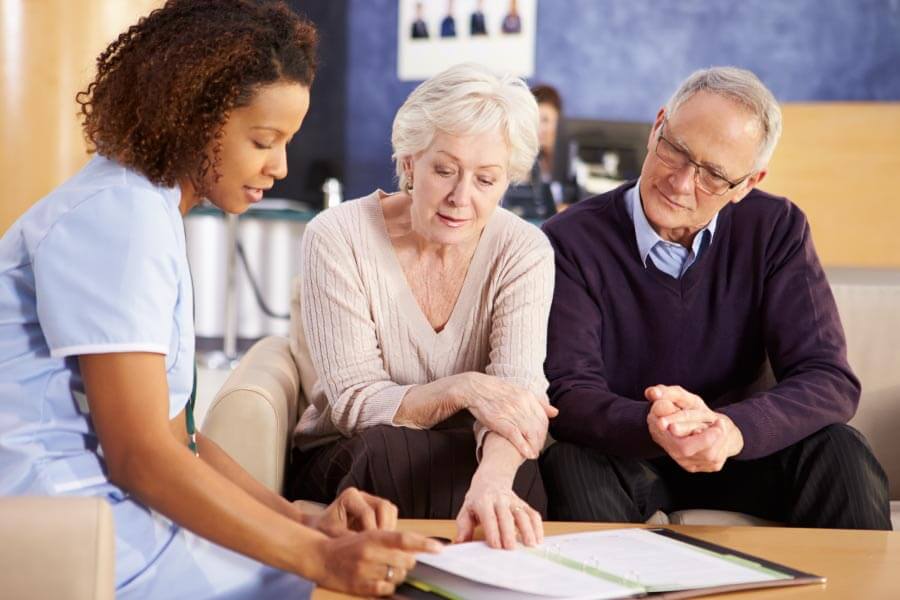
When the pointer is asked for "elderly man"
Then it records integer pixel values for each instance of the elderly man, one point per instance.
(671, 293)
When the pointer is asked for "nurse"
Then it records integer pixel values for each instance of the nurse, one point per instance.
(197, 100)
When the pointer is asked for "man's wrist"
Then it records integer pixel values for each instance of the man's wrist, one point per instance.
(735, 437)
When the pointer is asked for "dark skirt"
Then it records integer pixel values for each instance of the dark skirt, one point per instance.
(425, 472)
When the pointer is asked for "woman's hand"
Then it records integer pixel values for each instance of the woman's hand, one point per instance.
(371, 563)
(352, 511)
(507, 409)
(503, 516)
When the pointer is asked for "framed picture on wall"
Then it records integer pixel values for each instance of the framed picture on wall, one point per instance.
(435, 34)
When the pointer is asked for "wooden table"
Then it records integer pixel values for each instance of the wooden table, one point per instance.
(857, 564)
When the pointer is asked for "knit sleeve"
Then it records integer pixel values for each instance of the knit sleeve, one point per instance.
(340, 333)
(805, 344)
(518, 337)
(518, 334)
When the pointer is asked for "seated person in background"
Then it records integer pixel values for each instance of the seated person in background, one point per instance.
(552, 171)
(550, 112)
(670, 293)
(425, 308)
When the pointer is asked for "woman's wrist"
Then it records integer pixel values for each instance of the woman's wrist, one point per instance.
(426, 404)
(459, 390)
(500, 461)
(304, 553)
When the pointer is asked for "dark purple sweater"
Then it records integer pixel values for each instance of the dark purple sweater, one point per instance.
(617, 327)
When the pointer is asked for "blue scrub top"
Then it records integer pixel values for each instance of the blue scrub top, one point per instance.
(100, 266)
(97, 266)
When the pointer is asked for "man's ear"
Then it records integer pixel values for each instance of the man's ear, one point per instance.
(660, 119)
(751, 183)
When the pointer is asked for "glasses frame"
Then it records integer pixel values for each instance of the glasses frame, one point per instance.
(698, 166)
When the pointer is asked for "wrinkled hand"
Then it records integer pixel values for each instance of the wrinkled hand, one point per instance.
(503, 516)
(353, 511)
(360, 563)
(507, 409)
(683, 413)
(698, 439)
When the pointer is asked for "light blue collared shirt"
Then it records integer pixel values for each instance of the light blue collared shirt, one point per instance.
(670, 258)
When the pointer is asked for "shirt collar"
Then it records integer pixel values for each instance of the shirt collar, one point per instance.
(646, 236)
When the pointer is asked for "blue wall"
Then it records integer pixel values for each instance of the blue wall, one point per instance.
(621, 59)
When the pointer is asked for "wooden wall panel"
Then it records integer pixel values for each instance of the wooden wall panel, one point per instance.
(840, 162)
(47, 54)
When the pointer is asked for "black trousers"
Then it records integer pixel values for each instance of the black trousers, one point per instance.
(425, 472)
(830, 479)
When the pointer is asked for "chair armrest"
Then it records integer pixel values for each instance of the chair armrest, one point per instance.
(867, 300)
(253, 415)
(57, 547)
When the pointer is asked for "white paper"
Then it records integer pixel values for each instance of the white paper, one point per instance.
(523, 571)
(599, 564)
(656, 562)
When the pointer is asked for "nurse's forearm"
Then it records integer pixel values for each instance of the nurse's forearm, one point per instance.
(174, 482)
(218, 459)
(146, 453)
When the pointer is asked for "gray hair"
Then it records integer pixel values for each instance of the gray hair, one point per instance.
(469, 99)
(743, 87)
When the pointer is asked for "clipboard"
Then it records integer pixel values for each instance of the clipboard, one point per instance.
(430, 582)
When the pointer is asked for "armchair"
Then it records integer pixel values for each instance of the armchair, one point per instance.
(57, 547)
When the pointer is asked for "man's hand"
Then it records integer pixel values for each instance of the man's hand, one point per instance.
(680, 412)
(698, 439)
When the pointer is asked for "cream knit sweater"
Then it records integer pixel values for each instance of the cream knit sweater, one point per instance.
(355, 317)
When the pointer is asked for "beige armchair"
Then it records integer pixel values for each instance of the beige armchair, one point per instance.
(254, 413)
(61, 547)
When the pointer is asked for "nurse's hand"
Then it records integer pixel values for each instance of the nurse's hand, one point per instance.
(353, 511)
(371, 563)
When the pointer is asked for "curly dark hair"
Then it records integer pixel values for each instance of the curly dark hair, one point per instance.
(164, 88)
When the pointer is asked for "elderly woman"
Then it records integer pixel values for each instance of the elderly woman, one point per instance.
(424, 314)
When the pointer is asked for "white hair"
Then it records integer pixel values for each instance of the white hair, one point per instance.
(743, 87)
(468, 99)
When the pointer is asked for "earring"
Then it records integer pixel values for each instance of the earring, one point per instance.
(409, 183)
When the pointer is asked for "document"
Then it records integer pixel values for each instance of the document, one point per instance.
(617, 563)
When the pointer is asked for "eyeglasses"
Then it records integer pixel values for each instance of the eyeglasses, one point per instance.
(705, 179)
